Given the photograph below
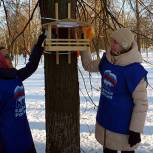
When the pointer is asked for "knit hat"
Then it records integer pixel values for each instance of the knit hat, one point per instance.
(124, 37)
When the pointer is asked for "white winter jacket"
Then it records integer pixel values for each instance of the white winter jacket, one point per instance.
(109, 139)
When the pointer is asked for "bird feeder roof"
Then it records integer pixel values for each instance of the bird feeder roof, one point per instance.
(68, 23)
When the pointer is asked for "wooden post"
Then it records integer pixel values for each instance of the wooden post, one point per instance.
(69, 10)
(56, 15)
(69, 16)
(49, 36)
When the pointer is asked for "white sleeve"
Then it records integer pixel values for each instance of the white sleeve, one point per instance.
(89, 64)
(140, 107)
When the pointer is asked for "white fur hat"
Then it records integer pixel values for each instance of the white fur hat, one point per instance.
(124, 37)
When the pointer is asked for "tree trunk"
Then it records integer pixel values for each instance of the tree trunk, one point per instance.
(62, 91)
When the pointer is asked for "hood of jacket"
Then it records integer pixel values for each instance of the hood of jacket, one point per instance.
(132, 56)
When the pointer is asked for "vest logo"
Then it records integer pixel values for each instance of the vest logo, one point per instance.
(109, 80)
(20, 108)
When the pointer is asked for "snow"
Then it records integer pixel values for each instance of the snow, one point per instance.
(35, 102)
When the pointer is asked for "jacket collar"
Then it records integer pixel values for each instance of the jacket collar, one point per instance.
(133, 56)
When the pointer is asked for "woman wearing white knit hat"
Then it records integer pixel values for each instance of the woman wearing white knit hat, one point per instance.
(123, 101)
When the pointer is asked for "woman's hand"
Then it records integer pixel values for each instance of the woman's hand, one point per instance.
(41, 38)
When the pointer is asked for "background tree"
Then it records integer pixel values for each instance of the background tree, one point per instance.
(16, 18)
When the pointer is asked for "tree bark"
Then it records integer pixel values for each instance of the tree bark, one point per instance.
(61, 91)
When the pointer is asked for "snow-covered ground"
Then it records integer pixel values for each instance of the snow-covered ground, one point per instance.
(35, 101)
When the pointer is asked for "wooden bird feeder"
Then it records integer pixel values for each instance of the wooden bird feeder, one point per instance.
(54, 44)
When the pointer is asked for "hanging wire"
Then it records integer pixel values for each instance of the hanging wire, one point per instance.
(86, 89)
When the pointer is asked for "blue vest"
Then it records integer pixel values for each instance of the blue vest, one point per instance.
(15, 134)
(116, 103)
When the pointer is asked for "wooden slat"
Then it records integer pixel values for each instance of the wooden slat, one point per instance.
(67, 44)
(68, 40)
(67, 48)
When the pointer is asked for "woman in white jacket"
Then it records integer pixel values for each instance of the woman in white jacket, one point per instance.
(123, 101)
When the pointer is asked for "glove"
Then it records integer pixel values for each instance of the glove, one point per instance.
(41, 38)
(134, 138)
